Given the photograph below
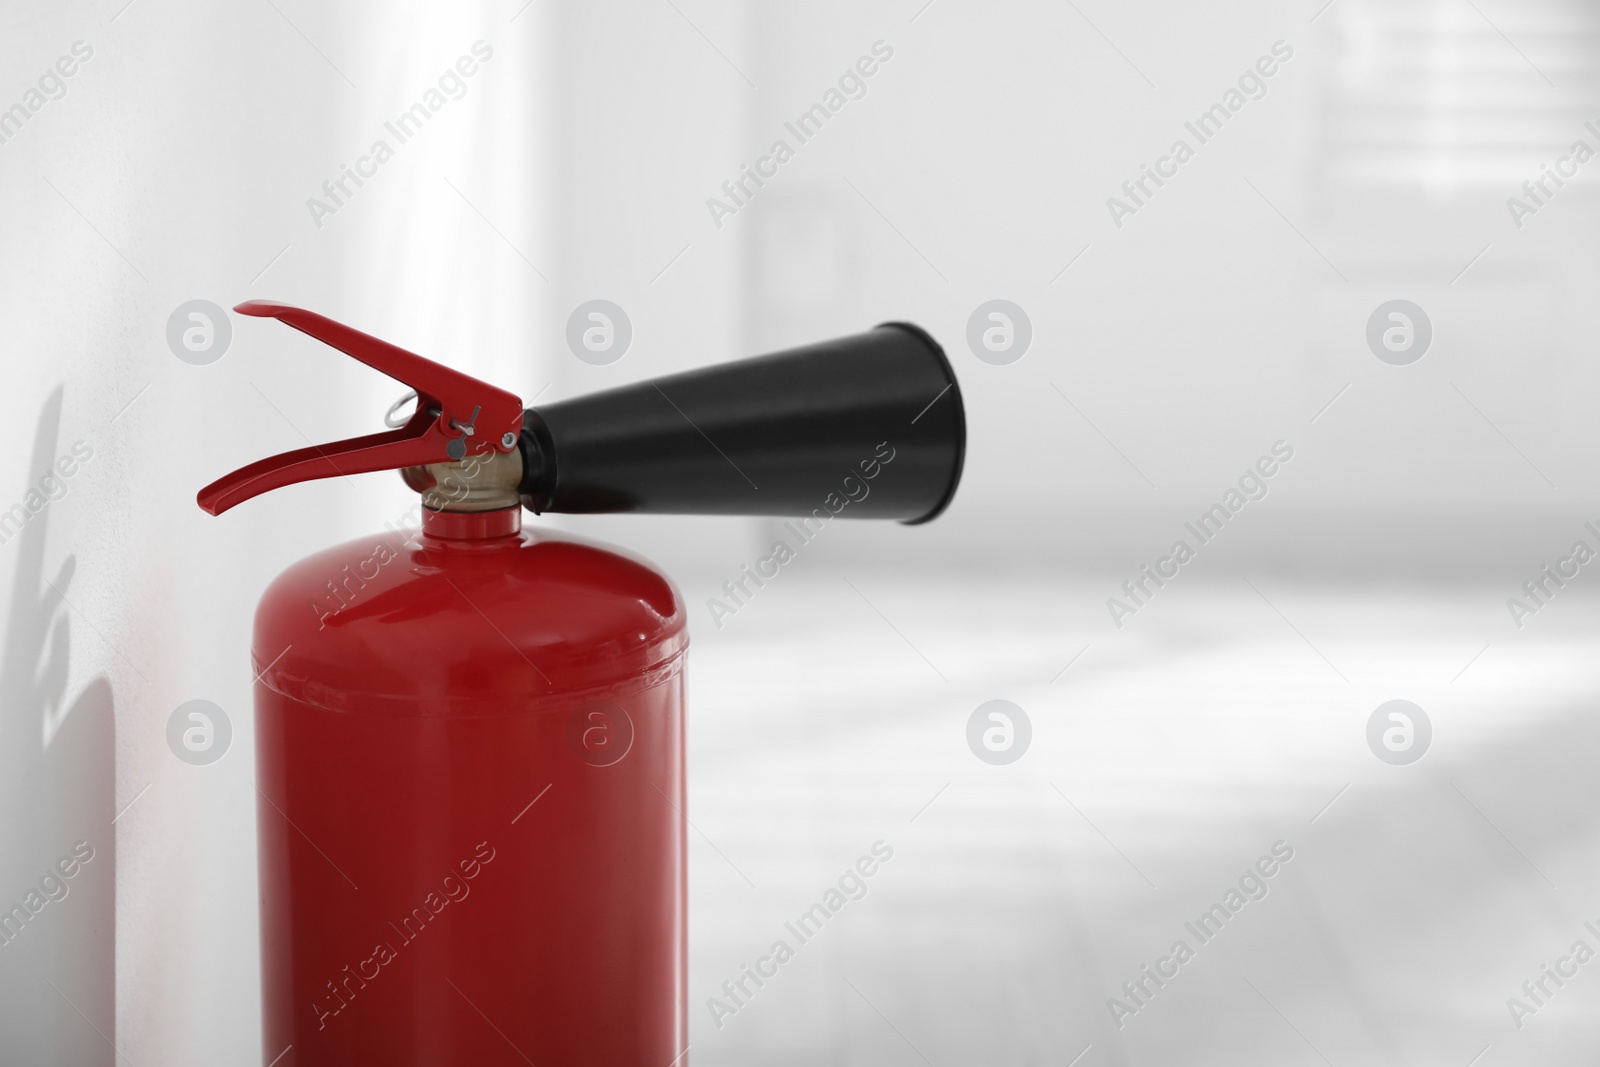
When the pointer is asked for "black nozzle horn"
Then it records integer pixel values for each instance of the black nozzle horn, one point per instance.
(869, 426)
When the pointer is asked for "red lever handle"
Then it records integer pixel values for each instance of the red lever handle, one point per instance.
(457, 416)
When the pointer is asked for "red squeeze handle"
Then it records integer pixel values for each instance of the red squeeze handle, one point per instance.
(456, 415)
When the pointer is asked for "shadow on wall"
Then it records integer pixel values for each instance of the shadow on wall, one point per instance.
(57, 788)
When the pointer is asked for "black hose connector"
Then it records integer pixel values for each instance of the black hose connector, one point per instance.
(869, 427)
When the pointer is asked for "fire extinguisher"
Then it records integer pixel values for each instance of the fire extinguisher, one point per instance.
(470, 737)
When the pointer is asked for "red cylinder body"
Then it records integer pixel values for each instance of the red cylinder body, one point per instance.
(470, 774)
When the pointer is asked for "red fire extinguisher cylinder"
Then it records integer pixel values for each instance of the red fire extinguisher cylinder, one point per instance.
(470, 738)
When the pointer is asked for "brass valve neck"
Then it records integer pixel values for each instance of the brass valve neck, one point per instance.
(486, 482)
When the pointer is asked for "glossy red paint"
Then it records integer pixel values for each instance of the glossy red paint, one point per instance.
(469, 750)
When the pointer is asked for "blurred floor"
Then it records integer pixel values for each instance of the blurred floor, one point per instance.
(1164, 762)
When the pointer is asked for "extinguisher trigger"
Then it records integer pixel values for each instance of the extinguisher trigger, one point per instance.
(452, 408)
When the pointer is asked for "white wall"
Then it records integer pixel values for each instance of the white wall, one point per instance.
(1207, 326)
(178, 166)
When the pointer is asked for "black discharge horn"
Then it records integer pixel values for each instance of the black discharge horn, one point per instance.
(772, 435)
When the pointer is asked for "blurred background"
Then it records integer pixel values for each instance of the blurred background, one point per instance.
(1157, 350)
